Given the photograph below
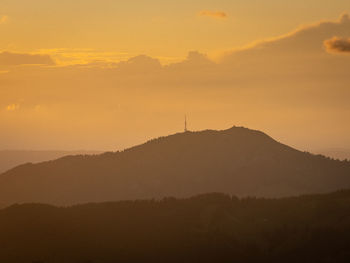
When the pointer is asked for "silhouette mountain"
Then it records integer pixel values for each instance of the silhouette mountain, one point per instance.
(236, 161)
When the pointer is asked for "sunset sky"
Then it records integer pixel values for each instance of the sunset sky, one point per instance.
(108, 74)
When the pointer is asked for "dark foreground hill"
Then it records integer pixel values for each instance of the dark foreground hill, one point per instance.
(207, 228)
(236, 161)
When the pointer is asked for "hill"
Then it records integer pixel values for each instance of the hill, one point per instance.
(236, 161)
(12, 158)
(206, 228)
(336, 153)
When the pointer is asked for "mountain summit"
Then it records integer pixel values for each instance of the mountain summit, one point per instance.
(236, 161)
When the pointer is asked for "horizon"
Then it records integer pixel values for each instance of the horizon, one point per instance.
(334, 153)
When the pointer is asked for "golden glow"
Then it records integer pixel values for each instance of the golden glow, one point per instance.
(107, 76)
(3, 19)
(12, 107)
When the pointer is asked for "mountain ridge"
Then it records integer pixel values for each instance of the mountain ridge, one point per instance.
(12, 158)
(158, 139)
(237, 161)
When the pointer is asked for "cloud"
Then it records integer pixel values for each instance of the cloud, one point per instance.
(83, 56)
(194, 61)
(213, 14)
(16, 59)
(338, 44)
(141, 63)
(304, 42)
(3, 19)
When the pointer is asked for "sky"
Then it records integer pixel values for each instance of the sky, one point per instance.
(108, 74)
(164, 29)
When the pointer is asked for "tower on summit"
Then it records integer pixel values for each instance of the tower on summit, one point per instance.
(185, 124)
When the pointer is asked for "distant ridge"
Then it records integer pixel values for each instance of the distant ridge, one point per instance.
(13, 158)
(236, 161)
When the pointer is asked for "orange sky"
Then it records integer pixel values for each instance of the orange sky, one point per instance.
(72, 77)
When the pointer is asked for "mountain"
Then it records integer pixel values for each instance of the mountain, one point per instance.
(236, 161)
(13, 158)
(336, 153)
(207, 228)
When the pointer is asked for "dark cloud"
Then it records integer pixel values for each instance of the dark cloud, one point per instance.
(16, 59)
(338, 44)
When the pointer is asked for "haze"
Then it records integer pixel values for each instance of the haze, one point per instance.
(110, 74)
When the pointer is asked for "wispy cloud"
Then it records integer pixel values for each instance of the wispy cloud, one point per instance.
(16, 59)
(81, 56)
(303, 37)
(3, 19)
(213, 14)
(338, 45)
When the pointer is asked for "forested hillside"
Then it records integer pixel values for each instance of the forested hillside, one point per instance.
(206, 228)
(236, 161)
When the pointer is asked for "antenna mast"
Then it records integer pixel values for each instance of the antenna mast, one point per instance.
(185, 123)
